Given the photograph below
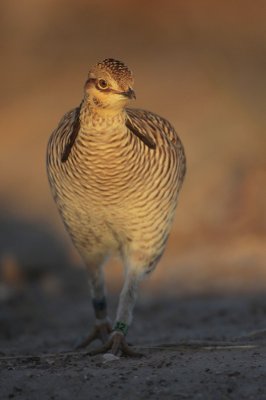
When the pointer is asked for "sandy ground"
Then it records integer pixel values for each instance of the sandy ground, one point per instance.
(194, 347)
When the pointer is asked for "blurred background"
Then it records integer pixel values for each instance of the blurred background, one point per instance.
(201, 64)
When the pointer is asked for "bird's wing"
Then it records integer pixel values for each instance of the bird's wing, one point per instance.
(150, 127)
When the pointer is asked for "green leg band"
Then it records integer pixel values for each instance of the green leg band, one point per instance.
(121, 327)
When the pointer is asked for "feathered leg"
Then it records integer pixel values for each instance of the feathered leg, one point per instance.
(102, 326)
(117, 342)
(136, 269)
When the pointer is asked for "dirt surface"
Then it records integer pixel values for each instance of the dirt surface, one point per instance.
(196, 347)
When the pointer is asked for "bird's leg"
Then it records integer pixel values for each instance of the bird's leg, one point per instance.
(102, 327)
(117, 342)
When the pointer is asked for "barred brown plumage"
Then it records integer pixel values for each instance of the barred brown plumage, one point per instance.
(115, 174)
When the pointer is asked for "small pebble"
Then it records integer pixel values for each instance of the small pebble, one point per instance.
(110, 357)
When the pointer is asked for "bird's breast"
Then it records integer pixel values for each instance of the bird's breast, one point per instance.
(113, 187)
(104, 167)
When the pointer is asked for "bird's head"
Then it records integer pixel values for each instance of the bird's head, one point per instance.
(109, 85)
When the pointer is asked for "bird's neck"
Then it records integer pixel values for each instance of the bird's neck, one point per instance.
(95, 117)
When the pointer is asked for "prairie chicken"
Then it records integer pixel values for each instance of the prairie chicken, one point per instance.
(115, 174)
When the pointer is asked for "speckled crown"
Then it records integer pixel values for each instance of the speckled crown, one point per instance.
(117, 69)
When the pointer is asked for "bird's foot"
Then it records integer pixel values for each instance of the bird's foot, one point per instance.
(117, 346)
(100, 331)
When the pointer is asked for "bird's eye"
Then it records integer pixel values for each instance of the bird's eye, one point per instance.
(102, 84)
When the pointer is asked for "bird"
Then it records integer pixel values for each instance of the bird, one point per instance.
(115, 173)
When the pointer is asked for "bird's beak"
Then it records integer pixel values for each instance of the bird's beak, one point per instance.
(130, 94)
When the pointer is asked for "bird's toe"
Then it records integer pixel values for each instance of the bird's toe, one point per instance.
(100, 332)
(117, 346)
